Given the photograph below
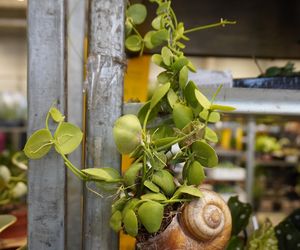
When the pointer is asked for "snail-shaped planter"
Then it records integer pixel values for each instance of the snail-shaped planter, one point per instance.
(202, 224)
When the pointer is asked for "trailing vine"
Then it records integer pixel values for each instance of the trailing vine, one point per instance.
(170, 129)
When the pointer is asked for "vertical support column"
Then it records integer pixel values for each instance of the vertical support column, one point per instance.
(104, 106)
(76, 33)
(46, 83)
(251, 131)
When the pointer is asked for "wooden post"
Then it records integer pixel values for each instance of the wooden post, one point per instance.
(76, 32)
(46, 83)
(104, 106)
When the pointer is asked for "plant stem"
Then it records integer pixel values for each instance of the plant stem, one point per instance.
(216, 93)
(75, 170)
(146, 120)
(221, 23)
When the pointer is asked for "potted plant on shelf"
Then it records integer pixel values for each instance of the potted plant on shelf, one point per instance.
(153, 202)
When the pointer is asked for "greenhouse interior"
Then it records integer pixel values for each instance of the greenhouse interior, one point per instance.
(152, 125)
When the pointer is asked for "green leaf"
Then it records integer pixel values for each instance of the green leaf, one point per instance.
(156, 23)
(179, 64)
(172, 98)
(102, 174)
(191, 190)
(164, 180)
(182, 115)
(210, 135)
(38, 144)
(144, 110)
(164, 77)
(151, 186)
(167, 56)
(191, 67)
(158, 94)
(151, 215)
(128, 27)
(163, 8)
(131, 223)
(131, 174)
(67, 138)
(222, 107)
(240, 213)
(137, 12)
(159, 37)
(264, 238)
(154, 197)
(183, 77)
(213, 117)
(131, 204)
(147, 39)
(189, 94)
(6, 220)
(164, 141)
(157, 59)
(205, 154)
(119, 204)
(127, 132)
(203, 101)
(56, 115)
(134, 43)
(195, 173)
(115, 221)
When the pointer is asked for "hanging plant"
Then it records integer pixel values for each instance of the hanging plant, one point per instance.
(170, 129)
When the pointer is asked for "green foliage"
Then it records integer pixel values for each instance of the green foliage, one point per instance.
(263, 238)
(143, 191)
(287, 70)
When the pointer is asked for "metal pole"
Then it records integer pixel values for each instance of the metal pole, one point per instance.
(76, 36)
(250, 165)
(104, 106)
(46, 83)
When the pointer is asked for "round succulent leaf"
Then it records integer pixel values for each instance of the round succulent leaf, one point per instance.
(195, 173)
(203, 101)
(5, 175)
(189, 94)
(127, 132)
(151, 186)
(213, 117)
(115, 221)
(190, 190)
(119, 204)
(159, 37)
(164, 179)
(159, 93)
(179, 64)
(102, 174)
(164, 141)
(172, 98)
(210, 135)
(164, 77)
(38, 144)
(167, 55)
(156, 23)
(67, 138)
(163, 8)
(128, 27)
(56, 115)
(154, 197)
(134, 43)
(183, 77)
(182, 115)
(147, 39)
(157, 59)
(131, 174)
(131, 223)
(205, 154)
(151, 215)
(130, 205)
(137, 12)
(220, 107)
(19, 190)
